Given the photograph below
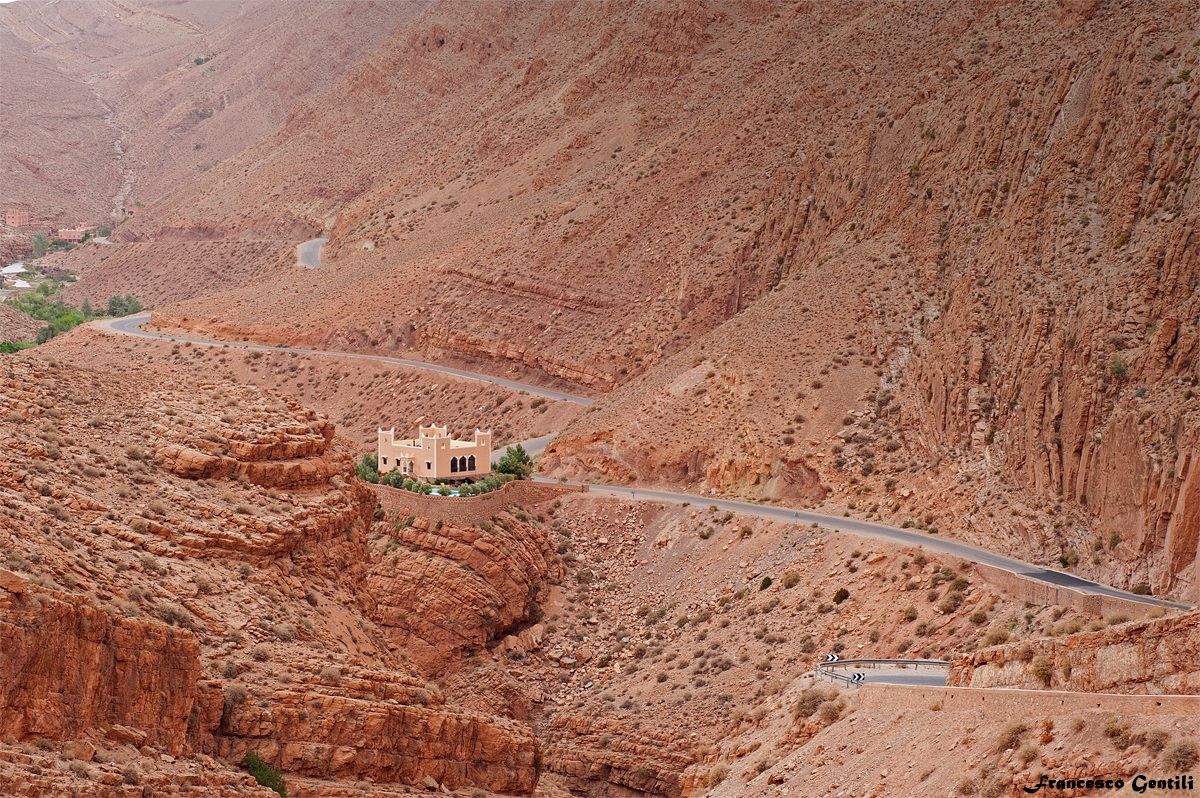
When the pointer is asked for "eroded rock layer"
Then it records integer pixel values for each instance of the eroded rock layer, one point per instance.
(187, 570)
(1160, 656)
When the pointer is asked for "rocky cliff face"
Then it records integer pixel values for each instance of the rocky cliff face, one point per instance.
(1066, 360)
(442, 592)
(377, 730)
(70, 667)
(187, 571)
(590, 752)
(1153, 656)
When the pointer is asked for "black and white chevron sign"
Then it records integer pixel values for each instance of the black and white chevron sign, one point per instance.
(858, 678)
(832, 657)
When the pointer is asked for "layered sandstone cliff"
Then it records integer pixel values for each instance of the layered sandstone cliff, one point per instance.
(188, 572)
(70, 667)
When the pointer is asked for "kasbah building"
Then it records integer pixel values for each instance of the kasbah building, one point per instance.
(434, 455)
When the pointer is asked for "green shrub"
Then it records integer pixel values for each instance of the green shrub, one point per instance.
(841, 595)
(46, 304)
(8, 347)
(264, 774)
(367, 468)
(766, 583)
(516, 462)
(123, 305)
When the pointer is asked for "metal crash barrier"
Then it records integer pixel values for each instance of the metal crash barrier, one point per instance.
(828, 669)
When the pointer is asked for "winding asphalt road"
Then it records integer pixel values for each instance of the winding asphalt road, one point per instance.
(132, 325)
(308, 254)
(914, 673)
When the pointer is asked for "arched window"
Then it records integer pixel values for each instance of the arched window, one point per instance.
(471, 463)
(453, 465)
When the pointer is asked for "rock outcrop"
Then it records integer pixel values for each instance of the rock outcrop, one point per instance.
(187, 572)
(383, 735)
(442, 591)
(615, 758)
(1159, 656)
(69, 667)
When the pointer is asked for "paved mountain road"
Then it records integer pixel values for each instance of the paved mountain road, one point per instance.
(915, 673)
(131, 325)
(892, 534)
(308, 254)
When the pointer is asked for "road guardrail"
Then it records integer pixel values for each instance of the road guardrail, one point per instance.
(826, 669)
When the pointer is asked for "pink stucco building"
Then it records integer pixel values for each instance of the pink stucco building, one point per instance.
(73, 234)
(433, 454)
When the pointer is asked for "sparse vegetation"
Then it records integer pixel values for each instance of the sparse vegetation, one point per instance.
(264, 774)
(1181, 757)
(1011, 735)
(812, 699)
(1043, 670)
(995, 636)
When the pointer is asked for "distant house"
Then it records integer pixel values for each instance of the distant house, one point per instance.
(15, 217)
(433, 454)
(73, 234)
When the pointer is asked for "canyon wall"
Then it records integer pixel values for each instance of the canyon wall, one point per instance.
(69, 667)
(190, 569)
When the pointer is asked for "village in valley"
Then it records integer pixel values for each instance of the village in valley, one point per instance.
(32, 310)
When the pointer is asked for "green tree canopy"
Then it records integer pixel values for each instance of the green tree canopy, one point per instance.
(515, 461)
(367, 468)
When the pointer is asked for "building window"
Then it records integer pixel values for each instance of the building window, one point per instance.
(428, 466)
(471, 463)
(385, 461)
(453, 465)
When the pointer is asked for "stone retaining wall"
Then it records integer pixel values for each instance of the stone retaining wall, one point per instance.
(470, 510)
(1044, 594)
(898, 698)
